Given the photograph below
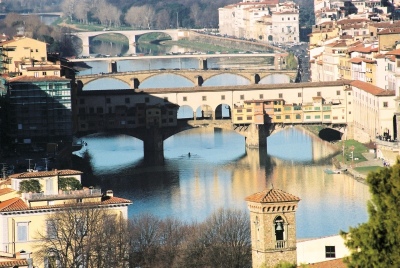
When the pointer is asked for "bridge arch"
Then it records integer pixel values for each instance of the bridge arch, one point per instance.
(275, 79)
(168, 80)
(228, 79)
(102, 83)
(185, 112)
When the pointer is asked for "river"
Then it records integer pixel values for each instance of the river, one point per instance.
(220, 172)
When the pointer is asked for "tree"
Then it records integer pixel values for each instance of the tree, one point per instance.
(30, 186)
(223, 240)
(376, 243)
(69, 183)
(82, 236)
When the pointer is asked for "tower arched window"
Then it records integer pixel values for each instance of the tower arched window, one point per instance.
(279, 226)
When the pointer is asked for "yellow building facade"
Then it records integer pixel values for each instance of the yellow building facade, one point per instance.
(23, 216)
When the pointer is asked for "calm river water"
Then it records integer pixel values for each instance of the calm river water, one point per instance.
(220, 173)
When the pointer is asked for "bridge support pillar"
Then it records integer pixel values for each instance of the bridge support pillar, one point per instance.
(256, 136)
(112, 67)
(153, 144)
(203, 64)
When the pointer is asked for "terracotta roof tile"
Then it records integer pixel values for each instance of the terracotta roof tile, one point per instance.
(336, 263)
(25, 78)
(356, 60)
(395, 52)
(62, 172)
(43, 68)
(6, 191)
(13, 263)
(13, 204)
(374, 90)
(272, 196)
(17, 204)
(389, 31)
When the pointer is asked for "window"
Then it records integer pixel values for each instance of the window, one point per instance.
(319, 93)
(299, 94)
(44, 73)
(22, 231)
(317, 117)
(248, 110)
(278, 117)
(240, 118)
(204, 98)
(184, 98)
(127, 100)
(330, 252)
(36, 74)
(165, 99)
(287, 116)
(242, 97)
(108, 100)
(280, 95)
(308, 117)
(51, 227)
(327, 116)
(385, 104)
(298, 116)
(222, 97)
(249, 117)
(338, 92)
(261, 96)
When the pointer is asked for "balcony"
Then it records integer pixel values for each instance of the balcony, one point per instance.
(63, 195)
(280, 244)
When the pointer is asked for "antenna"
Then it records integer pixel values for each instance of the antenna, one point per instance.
(4, 170)
(29, 164)
(46, 160)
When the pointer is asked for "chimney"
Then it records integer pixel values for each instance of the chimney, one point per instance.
(109, 193)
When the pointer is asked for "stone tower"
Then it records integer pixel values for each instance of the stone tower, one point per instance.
(273, 227)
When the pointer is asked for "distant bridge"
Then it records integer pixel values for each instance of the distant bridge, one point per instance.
(131, 35)
(151, 114)
(197, 77)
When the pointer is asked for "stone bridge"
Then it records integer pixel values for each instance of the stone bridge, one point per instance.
(132, 37)
(197, 77)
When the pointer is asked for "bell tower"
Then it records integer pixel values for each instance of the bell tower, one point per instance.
(273, 227)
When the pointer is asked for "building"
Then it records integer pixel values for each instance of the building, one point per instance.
(264, 21)
(37, 98)
(273, 234)
(23, 215)
(273, 227)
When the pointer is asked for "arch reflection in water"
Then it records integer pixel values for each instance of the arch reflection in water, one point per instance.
(220, 172)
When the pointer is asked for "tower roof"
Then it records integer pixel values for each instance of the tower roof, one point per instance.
(272, 196)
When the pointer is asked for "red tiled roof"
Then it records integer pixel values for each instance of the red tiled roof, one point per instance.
(13, 263)
(43, 68)
(25, 78)
(272, 196)
(395, 52)
(13, 204)
(355, 60)
(62, 172)
(6, 191)
(374, 90)
(17, 204)
(336, 263)
(389, 31)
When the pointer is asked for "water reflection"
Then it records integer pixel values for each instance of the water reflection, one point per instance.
(220, 172)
